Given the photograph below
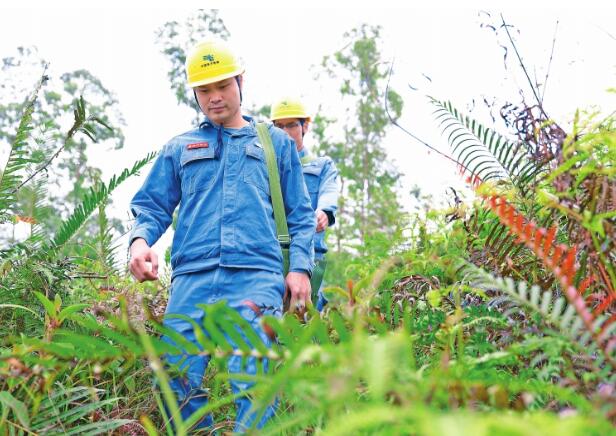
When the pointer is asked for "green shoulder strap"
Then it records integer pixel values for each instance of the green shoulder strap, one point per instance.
(274, 181)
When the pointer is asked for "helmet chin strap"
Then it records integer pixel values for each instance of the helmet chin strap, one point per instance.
(197, 100)
(237, 79)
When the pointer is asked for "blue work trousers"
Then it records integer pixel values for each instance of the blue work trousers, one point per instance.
(321, 300)
(264, 289)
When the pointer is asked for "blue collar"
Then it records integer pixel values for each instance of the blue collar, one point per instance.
(207, 123)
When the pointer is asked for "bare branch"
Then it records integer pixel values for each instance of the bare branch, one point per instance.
(607, 33)
(395, 123)
(515, 48)
(77, 125)
(547, 73)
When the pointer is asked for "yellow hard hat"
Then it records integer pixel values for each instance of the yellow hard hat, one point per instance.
(288, 108)
(209, 62)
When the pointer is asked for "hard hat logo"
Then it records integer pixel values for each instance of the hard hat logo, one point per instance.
(208, 57)
(209, 64)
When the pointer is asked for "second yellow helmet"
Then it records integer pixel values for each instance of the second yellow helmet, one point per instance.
(288, 108)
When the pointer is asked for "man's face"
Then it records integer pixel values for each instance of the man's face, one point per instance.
(294, 128)
(220, 101)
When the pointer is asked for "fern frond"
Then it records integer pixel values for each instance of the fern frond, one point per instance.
(19, 157)
(483, 152)
(559, 258)
(97, 195)
(81, 123)
(557, 312)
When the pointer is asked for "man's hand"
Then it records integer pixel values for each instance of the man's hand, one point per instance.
(143, 261)
(298, 286)
(322, 220)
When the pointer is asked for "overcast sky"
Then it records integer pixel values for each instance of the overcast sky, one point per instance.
(281, 45)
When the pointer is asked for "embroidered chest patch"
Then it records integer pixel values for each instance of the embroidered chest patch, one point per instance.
(198, 145)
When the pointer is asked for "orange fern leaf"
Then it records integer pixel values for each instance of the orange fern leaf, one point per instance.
(559, 258)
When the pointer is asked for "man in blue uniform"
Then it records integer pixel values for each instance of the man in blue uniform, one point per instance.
(320, 175)
(225, 245)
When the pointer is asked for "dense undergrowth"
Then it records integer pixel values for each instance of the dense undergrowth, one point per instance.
(494, 317)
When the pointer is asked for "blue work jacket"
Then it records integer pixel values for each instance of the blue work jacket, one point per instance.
(225, 215)
(321, 177)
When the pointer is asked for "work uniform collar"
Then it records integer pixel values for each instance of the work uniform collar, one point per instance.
(251, 127)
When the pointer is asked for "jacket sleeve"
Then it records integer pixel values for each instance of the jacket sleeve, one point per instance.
(329, 189)
(300, 216)
(154, 203)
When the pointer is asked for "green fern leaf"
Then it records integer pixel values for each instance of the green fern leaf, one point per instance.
(485, 153)
(569, 324)
(19, 157)
(97, 195)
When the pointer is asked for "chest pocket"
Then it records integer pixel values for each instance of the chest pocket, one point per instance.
(312, 176)
(199, 168)
(255, 168)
